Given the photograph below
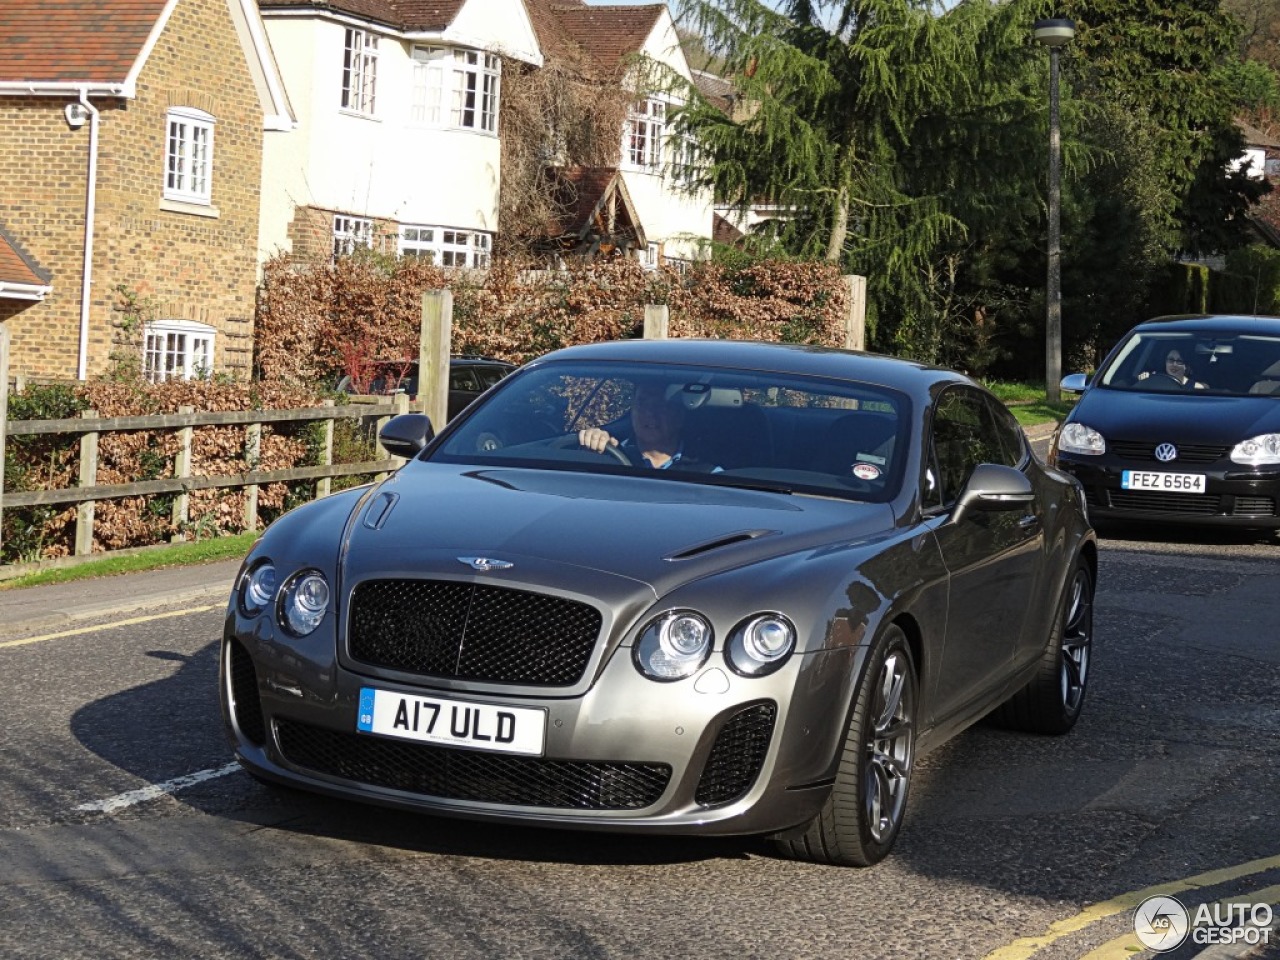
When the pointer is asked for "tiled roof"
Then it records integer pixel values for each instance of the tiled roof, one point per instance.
(607, 34)
(85, 40)
(717, 90)
(586, 193)
(1253, 137)
(722, 231)
(409, 15)
(16, 266)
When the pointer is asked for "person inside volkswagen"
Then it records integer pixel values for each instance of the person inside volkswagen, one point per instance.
(1178, 370)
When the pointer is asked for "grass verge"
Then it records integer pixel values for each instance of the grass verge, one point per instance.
(173, 555)
(1028, 402)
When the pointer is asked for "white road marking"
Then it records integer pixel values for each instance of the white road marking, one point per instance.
(122, 800)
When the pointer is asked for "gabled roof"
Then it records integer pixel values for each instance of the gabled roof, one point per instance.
(20, 276)
(99, 47)
(98, 42)
(605, 34)
(1253, 137)
(597, 205)
(428, 16)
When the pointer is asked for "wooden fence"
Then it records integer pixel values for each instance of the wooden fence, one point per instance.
(89, 427)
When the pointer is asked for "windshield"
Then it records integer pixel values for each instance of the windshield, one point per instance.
(743, 428)
(1231, 364)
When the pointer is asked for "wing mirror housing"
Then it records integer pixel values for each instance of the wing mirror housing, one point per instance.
(993, 487)
(406, 435)
(1074, 383)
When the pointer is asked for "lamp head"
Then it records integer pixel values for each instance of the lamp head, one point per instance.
(1054, 33)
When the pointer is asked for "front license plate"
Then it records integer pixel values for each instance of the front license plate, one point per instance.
(1164, 482)
(476, 726)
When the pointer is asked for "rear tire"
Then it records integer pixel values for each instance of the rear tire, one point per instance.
(861, 818)
(1051, 702)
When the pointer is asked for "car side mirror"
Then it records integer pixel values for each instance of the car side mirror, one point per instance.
(406, 435)
(994, 487)
(1074, 383)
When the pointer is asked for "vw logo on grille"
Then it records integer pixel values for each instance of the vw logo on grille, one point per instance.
(484, 564)
(1166, 452)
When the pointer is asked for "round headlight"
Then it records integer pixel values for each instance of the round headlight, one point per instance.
(1077, 438)
(1257, 451)
(673, 646)
(760, 645)
(258, 589)
(306, 598)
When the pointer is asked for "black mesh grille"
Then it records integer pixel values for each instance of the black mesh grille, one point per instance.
(1146, 450)
(1254, 507)
(452, 774)
(1165, 502)
(737, 755)
(442, 628)
(246, 705)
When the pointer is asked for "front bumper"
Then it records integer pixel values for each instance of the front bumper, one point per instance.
(713, 754)
(1234, 496)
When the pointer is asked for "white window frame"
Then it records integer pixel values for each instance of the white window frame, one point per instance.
(177, 350)
(188, 173)
(642, 140)
(447, 246)
(650, 256)
(359, 71)
(351, 233)
(469, 81)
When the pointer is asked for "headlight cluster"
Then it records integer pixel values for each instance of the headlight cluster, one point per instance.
(300, 604)
(677, 643)
(1258, 451)
(1077, 438)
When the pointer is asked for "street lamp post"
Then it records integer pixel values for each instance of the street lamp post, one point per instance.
(1054, 34)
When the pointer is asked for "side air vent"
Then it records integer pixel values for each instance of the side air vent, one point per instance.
(718, 543)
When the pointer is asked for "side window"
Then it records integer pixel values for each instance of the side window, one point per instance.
(963, 437)
(463, 378)
(1007, 433)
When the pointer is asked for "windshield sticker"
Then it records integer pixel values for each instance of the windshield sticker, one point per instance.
(865, 471)
(870, 458)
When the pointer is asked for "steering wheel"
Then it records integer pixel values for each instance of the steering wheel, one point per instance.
(571, 440)
(1171, 378)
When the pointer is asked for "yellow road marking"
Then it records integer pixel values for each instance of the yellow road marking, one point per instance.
(79, 631)
(1128, 944)
(1026, 947)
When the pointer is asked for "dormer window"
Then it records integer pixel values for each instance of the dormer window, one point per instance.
(359, 71)
(642, 140)
(456, 88)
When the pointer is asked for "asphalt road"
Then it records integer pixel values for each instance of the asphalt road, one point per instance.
(124, 832)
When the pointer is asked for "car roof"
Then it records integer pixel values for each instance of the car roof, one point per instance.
(1215, 323)
(906, 375)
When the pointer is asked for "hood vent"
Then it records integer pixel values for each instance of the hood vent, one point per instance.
(728, 540)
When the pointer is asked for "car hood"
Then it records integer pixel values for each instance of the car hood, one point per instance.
(547, 523)
(1179, 418)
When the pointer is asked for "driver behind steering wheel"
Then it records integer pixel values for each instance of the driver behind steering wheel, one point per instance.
(1177, 370)
(657, 425)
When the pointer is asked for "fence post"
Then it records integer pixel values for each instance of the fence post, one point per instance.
(324, 484)
(4, 419)
(657, 319)
(88, 478)
(182, 470)
(253, 460)
(855, 322)
(435, 334)
(401, 403)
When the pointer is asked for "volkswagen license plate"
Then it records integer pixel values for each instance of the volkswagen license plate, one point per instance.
(1162, 482)
(454, 723)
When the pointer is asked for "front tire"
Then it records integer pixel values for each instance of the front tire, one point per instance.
(1051, 702)
(862, 817)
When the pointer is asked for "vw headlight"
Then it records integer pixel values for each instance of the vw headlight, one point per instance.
(1077, 438)
(760, 645)
(673, 646)
(1257, 451)
(306, 598)
(257, 589)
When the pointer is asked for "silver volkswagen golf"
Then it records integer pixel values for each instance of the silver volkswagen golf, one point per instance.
(674, 586)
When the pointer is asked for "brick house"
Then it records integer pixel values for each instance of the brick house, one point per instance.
(130, 149)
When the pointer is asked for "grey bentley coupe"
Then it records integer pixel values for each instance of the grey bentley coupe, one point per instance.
(676, 586)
